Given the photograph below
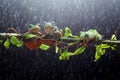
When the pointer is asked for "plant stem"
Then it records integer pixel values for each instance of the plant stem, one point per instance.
(62, 38)
(70, 39)
(111, 41)
(9, 34)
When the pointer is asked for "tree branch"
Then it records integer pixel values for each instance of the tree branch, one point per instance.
(62, 38)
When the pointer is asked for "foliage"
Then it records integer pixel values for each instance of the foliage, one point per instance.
(79, 50)
(68, 32)
(100, 50)
(113, 37)
(29, 36)
(113, 46)
(90, 34)
(83, 34)
(45, 44)
(66, 55)
(7, 43)
(44, 47)
(12, 40)
(15, 41)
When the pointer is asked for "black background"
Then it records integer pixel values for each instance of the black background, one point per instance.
(23, 64)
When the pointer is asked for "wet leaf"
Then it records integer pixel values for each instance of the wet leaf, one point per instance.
(44, 47)
(113, 37)
(94, 33)
(64, 55)
(68, 32)
(90, 34)
(34, 44)
(100, 50)
(15, 41)
(7, 43)
(97, 57)
(113, 47)
(105, 46)
(99, 53)
(29, 36)
(79, 50)
(82, 34)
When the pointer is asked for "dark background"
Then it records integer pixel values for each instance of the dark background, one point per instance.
(23, 64)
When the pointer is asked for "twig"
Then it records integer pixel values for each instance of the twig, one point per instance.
(9, 34)
(62, 38)
(111, 41)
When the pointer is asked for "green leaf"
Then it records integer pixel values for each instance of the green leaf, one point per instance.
(64, 55)
(83, 34)
(94, 33)
(113, 47)
(105, 46)
(63, 58)
(100, 50)
(90, 34)
(79, 50)
(99, 53)
(44, 47)
(15, 41)
(98, 37)
(7, 43)
(56, 49)
(29, 36)
(97, 57)
(113, 37)
(68, 32)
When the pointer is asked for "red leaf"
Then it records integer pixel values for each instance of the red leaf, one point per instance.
(35, 44)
